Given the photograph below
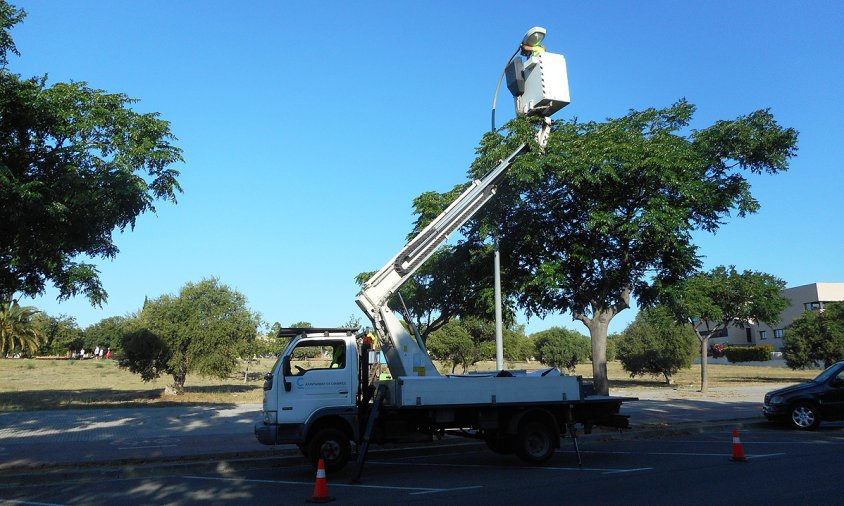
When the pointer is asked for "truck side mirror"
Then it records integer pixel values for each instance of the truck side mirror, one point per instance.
(285, 369)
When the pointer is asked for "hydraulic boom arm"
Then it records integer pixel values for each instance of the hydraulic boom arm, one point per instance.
(405, 355)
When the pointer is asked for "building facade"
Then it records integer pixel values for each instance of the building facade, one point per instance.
(803, 298)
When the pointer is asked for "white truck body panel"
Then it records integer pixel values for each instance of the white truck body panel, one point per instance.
(481, 390)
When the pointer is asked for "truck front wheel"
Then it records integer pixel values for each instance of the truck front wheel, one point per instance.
(535, 442)
(332, 446)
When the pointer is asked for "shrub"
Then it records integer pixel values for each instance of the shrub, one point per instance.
(562, 348)
(656, 344)
(717, 350)
(816, 337)
(749, 353)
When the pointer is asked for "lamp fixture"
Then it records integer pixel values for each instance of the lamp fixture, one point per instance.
(534, 36)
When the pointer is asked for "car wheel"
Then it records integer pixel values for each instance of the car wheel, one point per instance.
(804, 416)
(332, 446)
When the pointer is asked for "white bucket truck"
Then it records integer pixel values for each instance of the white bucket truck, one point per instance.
(324, 405)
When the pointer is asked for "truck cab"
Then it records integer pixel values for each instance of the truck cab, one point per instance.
(314, 385)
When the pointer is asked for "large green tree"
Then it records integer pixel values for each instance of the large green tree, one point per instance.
(606, 211)
(712, 301)
(657, 344)
(106, 333)
(19, 328)
(76, 164)
(62, 335)
(202, 330)
(815, 337)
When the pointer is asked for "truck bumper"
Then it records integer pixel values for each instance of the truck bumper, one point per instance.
(266, 434)
(277, 434)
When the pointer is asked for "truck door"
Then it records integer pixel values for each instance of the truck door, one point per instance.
(321, 375)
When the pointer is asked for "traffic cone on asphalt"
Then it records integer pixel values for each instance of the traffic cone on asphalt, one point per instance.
(738, 449)
(321, 485)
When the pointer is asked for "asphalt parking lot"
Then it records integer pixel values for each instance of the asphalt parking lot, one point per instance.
(782, 467)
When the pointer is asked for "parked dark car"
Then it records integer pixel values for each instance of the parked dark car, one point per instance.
(806, 404)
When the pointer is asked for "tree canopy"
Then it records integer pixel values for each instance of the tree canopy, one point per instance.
(106, 333)
(655, 343)
(76, 164)
(561, 348)
(61, 335)
(606, 211)
(202, 331)
(815, 337)
(19, 329)
(711, 301)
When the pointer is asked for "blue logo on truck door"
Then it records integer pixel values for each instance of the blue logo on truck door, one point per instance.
(302, 383)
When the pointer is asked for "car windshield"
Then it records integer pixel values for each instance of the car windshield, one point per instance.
(828, 373)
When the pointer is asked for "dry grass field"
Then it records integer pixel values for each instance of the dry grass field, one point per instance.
(62, 384)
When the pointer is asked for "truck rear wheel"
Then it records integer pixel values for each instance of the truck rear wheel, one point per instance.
(332, 446)
(535, 442)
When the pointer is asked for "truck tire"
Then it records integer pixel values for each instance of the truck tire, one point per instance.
(535, 442)
(332, 446)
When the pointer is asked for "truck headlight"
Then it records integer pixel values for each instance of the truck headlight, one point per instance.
(271, 417)
(777, 399)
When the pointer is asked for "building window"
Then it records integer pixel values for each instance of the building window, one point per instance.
(779, 333)
(812, 306)
(763, 334)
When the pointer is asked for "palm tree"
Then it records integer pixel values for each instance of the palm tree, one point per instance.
(18, 328)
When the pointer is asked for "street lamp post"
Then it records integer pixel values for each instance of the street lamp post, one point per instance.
(539, 88)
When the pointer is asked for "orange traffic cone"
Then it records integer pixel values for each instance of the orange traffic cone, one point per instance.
(738, 449)
(321, 486)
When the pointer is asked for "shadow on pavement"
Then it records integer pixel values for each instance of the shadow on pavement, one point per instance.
(657, 412)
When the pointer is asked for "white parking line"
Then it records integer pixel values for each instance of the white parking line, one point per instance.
(30, 503)
(744, 442)
(682, 454)
(145, 447)
(417, 490)
(487, 466)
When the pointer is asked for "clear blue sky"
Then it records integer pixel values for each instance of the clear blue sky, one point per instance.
(307, 130)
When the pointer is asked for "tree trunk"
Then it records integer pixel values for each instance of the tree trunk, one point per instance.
(598, 329)
(178, 386)
(704, 373)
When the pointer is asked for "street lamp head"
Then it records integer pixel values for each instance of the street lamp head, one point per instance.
(534, 36)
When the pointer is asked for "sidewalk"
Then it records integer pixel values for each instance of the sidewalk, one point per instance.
(44, 439)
